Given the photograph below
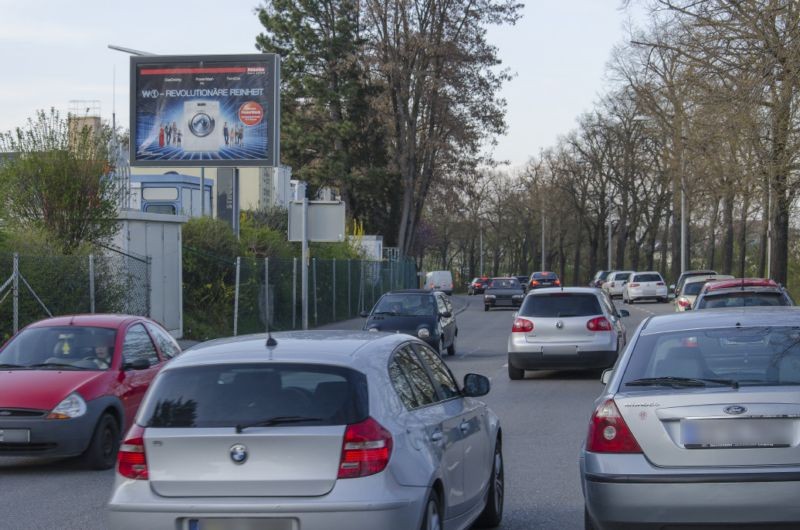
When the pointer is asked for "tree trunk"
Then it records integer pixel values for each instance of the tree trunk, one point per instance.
(727, 226)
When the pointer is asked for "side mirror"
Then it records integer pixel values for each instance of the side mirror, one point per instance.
(608, 373)
(364, 314)
(446, 314)
(624, 313)
(476, 385)
(137, 364)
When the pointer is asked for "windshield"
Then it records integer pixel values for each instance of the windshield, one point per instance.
(693, 288)
(741, 299)
(406, 305)
(560, 305)
(241, 394)
(544, 276)
(748, 356)
(647, 278)
(75, 347)
(505, 283)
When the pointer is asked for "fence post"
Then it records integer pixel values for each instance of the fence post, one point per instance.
(334, 289)
(266, 292)
(349, 290)
(314, 271)
(236, 298)
(91, 283)
(294, 293)
(15, 291)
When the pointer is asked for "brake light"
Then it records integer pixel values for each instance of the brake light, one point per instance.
(534, 283)
(634, 284)
(522, 325)
(366, 449)
(131, 458)
(683, 302)
(660, 284)
(608, 432)
(599, 324)
(557, 282)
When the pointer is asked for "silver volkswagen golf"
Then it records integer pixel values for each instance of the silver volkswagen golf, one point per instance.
(699, 424)
(322, 430)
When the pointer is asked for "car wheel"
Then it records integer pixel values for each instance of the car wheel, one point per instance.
(451, 350)
(433, 513)
(631, 301)
(492, 513)
(588, 524)
(102, 451)
(515, 373)
(487, 307)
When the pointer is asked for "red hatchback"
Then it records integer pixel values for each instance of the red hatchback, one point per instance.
(70, 385)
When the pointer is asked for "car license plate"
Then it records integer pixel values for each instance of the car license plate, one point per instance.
(12, 436)
(236, 523)
(737, 434)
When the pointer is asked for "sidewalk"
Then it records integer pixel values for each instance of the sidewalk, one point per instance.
(460, 304)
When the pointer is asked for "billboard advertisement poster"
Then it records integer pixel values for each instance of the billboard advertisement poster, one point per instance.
(216, 110)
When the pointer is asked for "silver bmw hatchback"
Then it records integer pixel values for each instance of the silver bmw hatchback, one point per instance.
(323, 430)
(699, 424)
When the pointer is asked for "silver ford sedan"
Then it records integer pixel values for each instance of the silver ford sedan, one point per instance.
(322, 430)
(699, 424)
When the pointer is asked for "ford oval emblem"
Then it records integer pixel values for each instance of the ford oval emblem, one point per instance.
(735, 410)
(239, 453)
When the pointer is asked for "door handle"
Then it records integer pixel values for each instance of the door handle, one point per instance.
(464, 426)
(437, 436)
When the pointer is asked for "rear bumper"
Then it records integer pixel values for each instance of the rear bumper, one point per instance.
(133, 505)
(582, 360)
(665, 498)
(503, 303)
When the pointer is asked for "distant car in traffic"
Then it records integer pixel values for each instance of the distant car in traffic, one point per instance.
(541, 280)
(688, 274)
(69, 386)
(477, 286)
(691, 288)
(319, 430)
(697, 425)
(439, 281)
(419, 313)
(615, 283)
(570, 328)
(523, 281)
(503, 292)
(599, 278)
(742, 292)
(645, 286)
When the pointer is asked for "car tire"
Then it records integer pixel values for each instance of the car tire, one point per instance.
(432, 518)
(492, 514)
(102, 451)
(588, 523)
(631, 301)
(515, 373)
(486, 308)
(451, 350)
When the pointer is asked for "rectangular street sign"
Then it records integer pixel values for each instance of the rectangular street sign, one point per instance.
(326, 221)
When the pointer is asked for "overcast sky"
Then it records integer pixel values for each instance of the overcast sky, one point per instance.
(54, 52)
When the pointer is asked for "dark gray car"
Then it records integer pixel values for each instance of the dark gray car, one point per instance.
(423, 314)
(503, 292)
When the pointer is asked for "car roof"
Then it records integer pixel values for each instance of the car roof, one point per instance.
(699, 271)
(547, 273)
(706, 277)
(313, 347)
(740, 282)
(753, 316)
(574, 290)
(96, 320)
(647, 272)
(410, 291)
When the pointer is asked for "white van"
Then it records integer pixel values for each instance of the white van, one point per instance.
(439, 281)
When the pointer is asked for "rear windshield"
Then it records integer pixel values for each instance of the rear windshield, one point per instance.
(61, 347)
(742, 299)
(504, 283)
(621, 276)
(693, 288)
(647, 278)
(602, 275)
(406, 305)
(561, 305)
(234, 394)
(749, 355)
(545, 275)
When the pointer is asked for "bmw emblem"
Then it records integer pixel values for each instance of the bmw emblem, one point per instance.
(239, 453)
(735, 410)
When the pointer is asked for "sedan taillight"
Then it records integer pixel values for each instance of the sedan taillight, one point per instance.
(608, 432)
(366, 449)
(131, 458)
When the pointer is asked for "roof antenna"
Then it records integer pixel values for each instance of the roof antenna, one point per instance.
(271, 342)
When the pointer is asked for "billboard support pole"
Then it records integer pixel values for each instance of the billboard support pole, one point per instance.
(202, 192)
(304, 265)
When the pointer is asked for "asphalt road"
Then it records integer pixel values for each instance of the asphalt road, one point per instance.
(544, 418)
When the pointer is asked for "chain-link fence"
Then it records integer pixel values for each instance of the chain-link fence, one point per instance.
(35, 287)
(226, 297)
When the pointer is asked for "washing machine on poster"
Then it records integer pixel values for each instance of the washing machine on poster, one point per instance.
(204, 128)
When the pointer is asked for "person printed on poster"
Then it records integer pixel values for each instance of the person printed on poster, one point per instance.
(225, 132)
(179, 136)
(161, 136)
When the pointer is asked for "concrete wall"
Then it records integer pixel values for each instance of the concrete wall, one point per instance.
(158, 237)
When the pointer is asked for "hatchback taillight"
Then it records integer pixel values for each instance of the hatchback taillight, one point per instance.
(608, 432)
(131, 458)
(634, 285)
(683, 302)
(534, 283)
(366, 449)
(522, 325)
(599, 324)
(660, 284)
(557, 282)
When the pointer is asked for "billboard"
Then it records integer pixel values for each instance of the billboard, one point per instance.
(216, 110)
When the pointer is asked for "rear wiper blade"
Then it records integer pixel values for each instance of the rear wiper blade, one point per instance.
(277, 420)
(682, 381)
